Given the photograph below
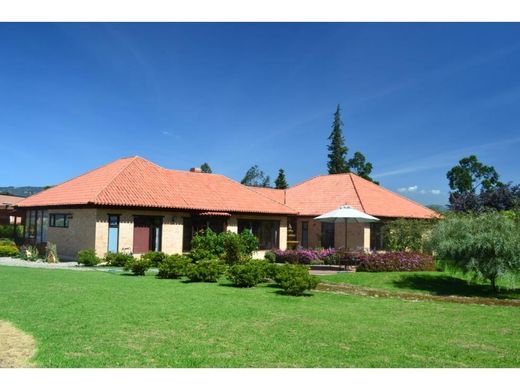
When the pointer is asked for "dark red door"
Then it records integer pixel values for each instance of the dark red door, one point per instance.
(142, 232)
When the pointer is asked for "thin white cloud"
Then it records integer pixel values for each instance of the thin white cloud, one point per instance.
(166, 133)
(447, 159)
(416, 189)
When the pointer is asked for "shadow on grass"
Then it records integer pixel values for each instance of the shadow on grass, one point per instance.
(448, 285)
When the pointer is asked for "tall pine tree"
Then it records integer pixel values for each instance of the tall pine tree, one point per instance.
(281, 182)
(337, 148)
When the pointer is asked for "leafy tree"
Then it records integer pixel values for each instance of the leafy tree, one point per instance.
(500, 198)
(469, 174)
(256, 178)
(406, 234)
(281, 182)
(206, 168)
(484, 245)
(361, 167)
(337, 150)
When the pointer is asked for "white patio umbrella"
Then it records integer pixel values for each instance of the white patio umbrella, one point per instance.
(346, 214)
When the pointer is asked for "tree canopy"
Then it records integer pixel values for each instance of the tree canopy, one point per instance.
(484, 245)
(206, 168)
(464, 180)
(256, 178)
(281, 182)
(361, 167)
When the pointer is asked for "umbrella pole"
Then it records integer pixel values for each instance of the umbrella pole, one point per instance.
(346, 241)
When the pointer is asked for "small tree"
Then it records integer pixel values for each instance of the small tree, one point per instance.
(361, 167)
(281, 182)
(256, 178)
(485, 245)
(206, 168)
(337, 148)
(406, 234)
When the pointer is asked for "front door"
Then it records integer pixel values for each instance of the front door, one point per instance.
(147, 234)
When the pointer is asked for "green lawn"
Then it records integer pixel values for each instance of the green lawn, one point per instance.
(98, 319)
(435, 283)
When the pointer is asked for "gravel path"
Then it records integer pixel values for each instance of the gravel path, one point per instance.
(39, 264)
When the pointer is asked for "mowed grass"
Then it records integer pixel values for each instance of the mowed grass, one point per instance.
(98, 319)
(435, 283)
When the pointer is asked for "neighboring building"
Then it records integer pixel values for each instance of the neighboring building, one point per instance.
(134, 205)
(8, 214)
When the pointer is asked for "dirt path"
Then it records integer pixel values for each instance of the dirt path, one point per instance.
(350, 289)
(16, 347)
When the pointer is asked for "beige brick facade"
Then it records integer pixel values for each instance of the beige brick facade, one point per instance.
(79, 235)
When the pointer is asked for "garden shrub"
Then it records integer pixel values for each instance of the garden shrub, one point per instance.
(173, 267)
(484, 245)
(7, 231)
(155, 258)
(226, 245)
(249, 242)
(29, 252)
(51, 253)
(117, 259)
(307, 256)
(295, 279)
(88, 258)
(200, 254)
(270, 257)
(138, 266)
(6, 241)
(406, 234)
(390, 261)
(233, 249)
(209, 241)
(205, 270)
(249, 273)
(8, 250)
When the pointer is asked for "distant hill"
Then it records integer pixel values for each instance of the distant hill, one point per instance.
(438, 207)
(21, 191)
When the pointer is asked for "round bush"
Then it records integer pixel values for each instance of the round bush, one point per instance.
(173, 267)
(295, 279)
(117, 259)
(138, 266)
(155, 258)
(88, 258)
(205, 271)
(249, 273)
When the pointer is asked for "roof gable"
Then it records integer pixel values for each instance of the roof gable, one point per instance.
(136, 182)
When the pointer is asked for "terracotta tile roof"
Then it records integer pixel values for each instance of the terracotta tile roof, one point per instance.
(10, 200)
(136, 182)
(325, 193)
(273, 193)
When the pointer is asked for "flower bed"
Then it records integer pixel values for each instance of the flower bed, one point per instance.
(390, 261)
(306, 256)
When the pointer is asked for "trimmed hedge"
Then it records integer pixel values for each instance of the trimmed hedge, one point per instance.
(88, 258)
(391, 262)
(155, 258)
(205, 271)
(138, 266)
(250, 272)
(117, 259)
(173, 267)
(295, 279)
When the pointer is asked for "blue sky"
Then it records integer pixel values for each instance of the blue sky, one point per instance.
(415, 98)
